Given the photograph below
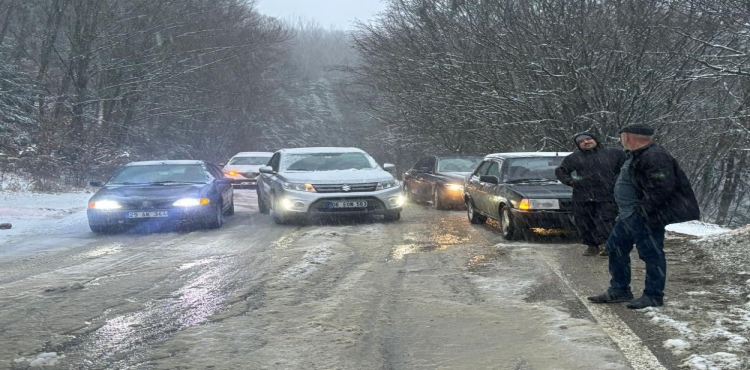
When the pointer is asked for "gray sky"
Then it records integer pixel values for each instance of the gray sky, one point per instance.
(337, 13)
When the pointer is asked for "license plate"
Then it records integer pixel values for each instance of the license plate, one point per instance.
(360, 204)
(246, 183)
(148, 214)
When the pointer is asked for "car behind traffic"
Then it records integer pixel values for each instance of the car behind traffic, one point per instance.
(243, 168)
(161, 192)
(305, 183)
(439, 179)
(521, 192)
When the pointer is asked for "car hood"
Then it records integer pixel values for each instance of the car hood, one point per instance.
(172, 191)
(454, 177)
(543, 191)
(242, 168)
(337, 177)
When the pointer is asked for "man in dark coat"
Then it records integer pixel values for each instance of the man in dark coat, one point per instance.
(592, 171)
(651, 192)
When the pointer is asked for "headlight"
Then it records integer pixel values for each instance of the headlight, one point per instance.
(104, 204)
(299, 187)
(527, 204)
(387, 184)
(454, 187)
(191, 202)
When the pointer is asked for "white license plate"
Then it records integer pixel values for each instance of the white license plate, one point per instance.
(361, 204)
(148, 214)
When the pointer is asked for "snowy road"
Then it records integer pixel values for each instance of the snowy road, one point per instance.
(428, 292)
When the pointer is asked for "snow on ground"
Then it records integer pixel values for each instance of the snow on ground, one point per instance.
(696, 228)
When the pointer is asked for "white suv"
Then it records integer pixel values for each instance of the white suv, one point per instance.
(314, 182)
(243, 168)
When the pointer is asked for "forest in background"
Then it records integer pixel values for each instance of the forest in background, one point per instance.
(86, 85)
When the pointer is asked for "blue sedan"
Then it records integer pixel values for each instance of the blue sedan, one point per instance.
(162, 192)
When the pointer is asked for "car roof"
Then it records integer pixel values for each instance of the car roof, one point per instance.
(250, 154)
(156, 163)
(527, 154)
(458, 155)
(322, 149)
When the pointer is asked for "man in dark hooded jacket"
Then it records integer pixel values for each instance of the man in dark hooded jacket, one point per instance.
(592, 171)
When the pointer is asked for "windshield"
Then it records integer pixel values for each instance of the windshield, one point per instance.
(464, 164)
(326, 162)
(537, 168)
(159, 174)
(249, 161)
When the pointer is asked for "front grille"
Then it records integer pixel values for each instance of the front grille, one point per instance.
(373, 205)
(342, 188)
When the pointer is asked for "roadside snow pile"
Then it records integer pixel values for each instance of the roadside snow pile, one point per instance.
(696, 228)
(730, 251)
(11, 182)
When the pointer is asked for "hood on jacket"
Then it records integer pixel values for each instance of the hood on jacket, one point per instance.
(593, 136)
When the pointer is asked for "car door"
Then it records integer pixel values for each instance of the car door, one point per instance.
(265, 185)
(410, 177)
(427, 178)
(490, 190)
(418, 184)
(224, 188)
(473, 186)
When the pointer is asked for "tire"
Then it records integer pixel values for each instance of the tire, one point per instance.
(508, 228)
(262, 206)
(392, 216)
(474, 217)
(437, 199)
(230, 211)
(218, 218)
(278, 215)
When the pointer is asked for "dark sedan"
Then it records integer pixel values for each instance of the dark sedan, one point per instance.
(439, 179)
(521, 192)
(161, 192)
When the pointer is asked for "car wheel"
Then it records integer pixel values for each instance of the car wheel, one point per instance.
(278, 215)
(230, 211)
(474, 217)
(218, 218)
(262, 206)
(507, 227)
(392, 215)
(437, 199)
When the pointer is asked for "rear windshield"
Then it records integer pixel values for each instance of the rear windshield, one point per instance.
(465, 164)
(159, 174)
(536, 168)
(327, 162)
(249, 161)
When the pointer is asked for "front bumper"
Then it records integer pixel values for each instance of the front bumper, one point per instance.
(543, 219)
(120, 217)
(322, 204)
(239, 181)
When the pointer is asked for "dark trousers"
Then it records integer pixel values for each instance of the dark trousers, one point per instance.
(650, 245)
(594, 221)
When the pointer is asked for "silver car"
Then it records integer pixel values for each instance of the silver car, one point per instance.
(306, 183)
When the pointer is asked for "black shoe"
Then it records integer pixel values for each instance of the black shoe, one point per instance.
(591, 251)
(645, 301)
(608, 297)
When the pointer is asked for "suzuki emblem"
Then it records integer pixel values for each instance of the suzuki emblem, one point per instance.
(346, 188)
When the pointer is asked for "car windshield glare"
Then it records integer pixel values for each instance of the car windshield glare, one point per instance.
(326, 162)
(249, 161)
(532, 169)
(160, 174)
(458, 164)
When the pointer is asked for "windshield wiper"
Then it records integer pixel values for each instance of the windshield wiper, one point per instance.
(529, 180)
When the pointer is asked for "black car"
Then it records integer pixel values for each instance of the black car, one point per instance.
(161, 192)
(439, 179)
(521, 192)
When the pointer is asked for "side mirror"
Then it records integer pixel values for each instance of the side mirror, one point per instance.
(266, 169)
(96, 184)
(489, 179)
(388, 166)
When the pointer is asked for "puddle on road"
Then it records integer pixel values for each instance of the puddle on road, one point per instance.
(103, 251)
(400, 251)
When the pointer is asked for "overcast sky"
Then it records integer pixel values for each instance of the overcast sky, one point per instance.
(336, 13)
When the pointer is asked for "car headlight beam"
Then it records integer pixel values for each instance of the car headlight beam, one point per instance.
(191, 202)
(104, 204)
(299, 187)
(454, 187)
